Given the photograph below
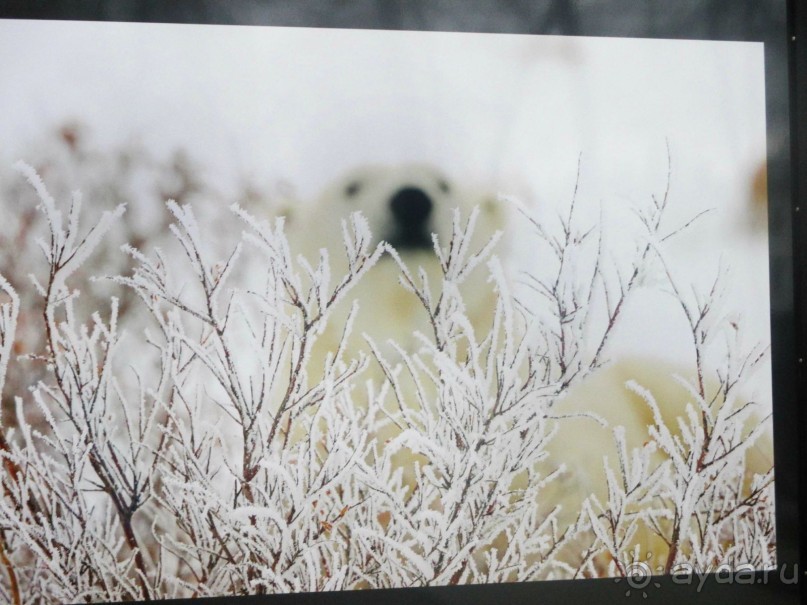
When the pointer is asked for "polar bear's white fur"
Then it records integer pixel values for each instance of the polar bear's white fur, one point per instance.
(411, 208)
(405, 206)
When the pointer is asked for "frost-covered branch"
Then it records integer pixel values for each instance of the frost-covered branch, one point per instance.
(207, 426)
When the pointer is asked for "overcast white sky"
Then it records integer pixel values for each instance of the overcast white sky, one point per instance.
(506, 111)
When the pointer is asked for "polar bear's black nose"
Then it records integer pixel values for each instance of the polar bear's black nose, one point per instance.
(411, 207)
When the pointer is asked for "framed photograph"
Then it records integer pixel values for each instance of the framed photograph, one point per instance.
(363, 301)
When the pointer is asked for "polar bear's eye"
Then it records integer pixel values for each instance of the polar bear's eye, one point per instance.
(352, 189)
(443, 186)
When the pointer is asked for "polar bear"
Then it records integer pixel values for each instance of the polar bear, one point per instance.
(410, 206)
(407, 207)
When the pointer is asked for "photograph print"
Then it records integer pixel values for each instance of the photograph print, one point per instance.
(289, 310)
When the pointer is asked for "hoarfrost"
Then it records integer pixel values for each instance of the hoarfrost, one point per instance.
(228, 463)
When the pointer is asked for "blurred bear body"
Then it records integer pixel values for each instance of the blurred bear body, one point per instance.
(406, 206)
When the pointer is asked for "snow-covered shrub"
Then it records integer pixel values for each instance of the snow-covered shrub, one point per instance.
(196, 453)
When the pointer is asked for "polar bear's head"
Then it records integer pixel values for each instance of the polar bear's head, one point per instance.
(405, 205)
